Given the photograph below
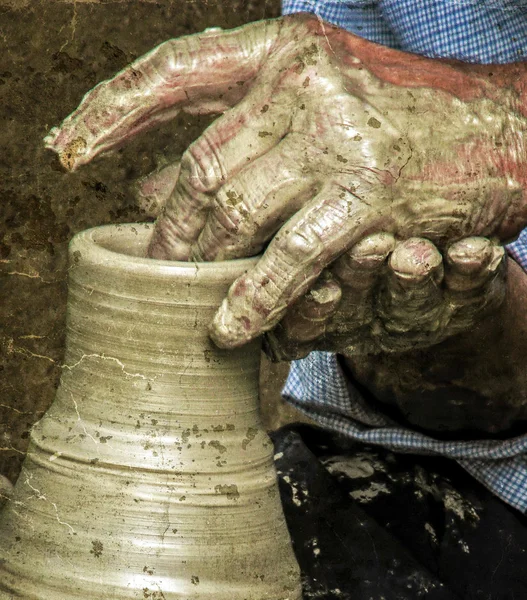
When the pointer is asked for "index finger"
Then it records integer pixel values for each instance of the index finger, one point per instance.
(316, 235)
(201, 73)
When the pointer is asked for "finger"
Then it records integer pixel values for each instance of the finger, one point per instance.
(306, 320)
(471, 262)
(153, 191)
(359, 267)
(294, 259)
(359, 271)
(411, 298)
(476, 280)
(305, 323)
(252, 206)
(205, 73)
(228, 146)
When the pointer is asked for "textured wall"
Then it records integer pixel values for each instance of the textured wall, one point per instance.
(51, 53)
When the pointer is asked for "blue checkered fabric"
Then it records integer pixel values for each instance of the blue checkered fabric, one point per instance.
(480, 31)
(318, 387)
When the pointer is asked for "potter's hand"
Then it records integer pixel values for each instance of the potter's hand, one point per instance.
(325, 139)
(388, 296)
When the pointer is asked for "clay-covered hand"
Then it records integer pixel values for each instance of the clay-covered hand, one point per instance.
(387, 296)
(325, 139)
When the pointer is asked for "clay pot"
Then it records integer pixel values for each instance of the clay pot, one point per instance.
(150, 477)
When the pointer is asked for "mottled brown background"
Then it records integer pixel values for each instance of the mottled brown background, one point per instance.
(51, 53)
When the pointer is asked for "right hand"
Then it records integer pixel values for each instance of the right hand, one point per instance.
(385, 296)
(325, 139)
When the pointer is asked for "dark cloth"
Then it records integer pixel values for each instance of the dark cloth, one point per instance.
(368, 524)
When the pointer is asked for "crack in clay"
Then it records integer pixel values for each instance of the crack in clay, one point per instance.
(187, 367)
(401, 169)
(12, 449)
(79, 420)
(111, 358)
(20, 412)
(41, 496)
(323, 27)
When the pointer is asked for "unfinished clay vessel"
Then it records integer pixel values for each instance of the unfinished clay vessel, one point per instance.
(150, 477)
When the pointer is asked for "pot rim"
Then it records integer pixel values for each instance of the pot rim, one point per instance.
(94, 245)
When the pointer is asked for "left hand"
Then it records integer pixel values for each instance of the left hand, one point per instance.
(388, 296)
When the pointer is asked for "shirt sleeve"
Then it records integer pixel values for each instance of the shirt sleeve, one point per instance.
(518, 250)
(472, 30)
(362, 17)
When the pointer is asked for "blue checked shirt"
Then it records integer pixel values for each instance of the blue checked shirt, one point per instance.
(479, 31)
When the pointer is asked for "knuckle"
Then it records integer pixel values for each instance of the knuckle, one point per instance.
(233, 213)
(301, 245)
(210, 245)
(201, 166)
(369, 254)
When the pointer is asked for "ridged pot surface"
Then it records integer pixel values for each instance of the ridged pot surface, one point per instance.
(151, 476)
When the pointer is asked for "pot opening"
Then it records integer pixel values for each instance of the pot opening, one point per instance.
(129, 239)
(128, 243)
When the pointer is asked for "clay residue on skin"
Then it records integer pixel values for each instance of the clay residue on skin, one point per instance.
(74, 149)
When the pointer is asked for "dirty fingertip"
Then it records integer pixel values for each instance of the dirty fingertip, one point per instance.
(415, 258)
(470, 254)
(374, 246)
(228, 331)
(51, 137)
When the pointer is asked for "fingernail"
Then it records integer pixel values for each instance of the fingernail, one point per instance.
(376, 247)
(415, 259)
(470, 255)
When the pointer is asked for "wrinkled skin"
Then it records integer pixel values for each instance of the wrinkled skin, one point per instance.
(383, 295)
(325, 139)
(386, 296)
(470, 382)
